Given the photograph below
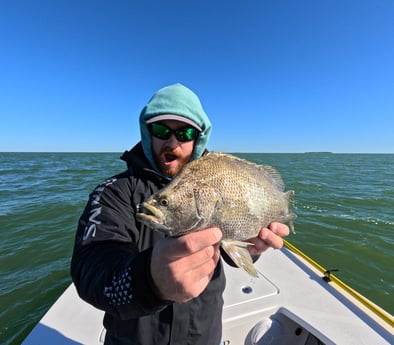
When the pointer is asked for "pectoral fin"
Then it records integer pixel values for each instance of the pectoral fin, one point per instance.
(239, 253)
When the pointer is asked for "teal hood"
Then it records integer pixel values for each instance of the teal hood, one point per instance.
(178, 100)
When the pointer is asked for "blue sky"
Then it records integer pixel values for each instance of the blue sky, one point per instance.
(274, 76)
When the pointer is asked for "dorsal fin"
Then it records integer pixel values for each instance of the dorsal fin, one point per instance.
(275, 175)
(267, 170)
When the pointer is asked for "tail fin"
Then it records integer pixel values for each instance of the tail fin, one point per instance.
(290, 216)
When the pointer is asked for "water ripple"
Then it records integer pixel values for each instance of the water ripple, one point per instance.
(344, 205)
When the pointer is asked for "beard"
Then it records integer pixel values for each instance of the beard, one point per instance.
(171, 161)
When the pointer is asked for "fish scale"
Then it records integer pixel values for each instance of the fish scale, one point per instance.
(218, 189)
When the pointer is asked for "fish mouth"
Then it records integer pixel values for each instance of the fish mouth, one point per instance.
(151, 216)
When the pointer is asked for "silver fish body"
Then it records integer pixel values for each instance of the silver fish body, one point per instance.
(221, 190)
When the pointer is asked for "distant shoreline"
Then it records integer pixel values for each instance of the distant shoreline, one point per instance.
(318, 152)
(233, 152)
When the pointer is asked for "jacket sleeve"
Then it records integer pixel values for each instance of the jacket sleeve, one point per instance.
(107, 267)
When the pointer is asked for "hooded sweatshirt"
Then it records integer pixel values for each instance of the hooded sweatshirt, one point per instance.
(175, 99)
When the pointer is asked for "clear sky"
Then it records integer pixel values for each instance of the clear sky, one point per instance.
(273, 75)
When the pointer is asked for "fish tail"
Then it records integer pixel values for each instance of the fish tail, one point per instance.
(290, 197)
(290, 217)
(240, 255)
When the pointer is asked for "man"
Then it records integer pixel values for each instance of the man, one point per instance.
(155, 290)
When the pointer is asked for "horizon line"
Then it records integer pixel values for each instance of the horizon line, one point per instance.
(235, 152)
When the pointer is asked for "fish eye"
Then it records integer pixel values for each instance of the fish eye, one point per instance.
(163, 201)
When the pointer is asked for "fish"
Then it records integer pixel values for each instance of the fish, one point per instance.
(221, 190)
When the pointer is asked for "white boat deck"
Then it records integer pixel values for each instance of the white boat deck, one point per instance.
(288, 292)
(290, 303)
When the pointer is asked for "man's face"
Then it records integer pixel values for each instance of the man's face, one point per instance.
(171, 155)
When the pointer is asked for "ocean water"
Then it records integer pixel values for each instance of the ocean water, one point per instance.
(344, 202)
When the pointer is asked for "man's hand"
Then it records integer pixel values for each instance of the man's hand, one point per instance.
(268, 237)
(182, 267)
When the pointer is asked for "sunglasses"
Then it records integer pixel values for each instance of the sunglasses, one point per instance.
(160, 131)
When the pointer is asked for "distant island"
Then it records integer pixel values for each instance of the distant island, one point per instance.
(318, 152)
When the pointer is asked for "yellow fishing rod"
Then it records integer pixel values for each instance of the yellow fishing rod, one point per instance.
(328, 276)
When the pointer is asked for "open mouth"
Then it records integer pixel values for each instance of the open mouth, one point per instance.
(169, 158)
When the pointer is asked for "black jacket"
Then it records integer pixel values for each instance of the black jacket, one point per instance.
(110, 267)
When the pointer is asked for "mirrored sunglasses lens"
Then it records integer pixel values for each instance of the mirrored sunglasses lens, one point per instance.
(186, 134)
(160, 131)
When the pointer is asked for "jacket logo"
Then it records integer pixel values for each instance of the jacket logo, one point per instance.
(96, 208)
